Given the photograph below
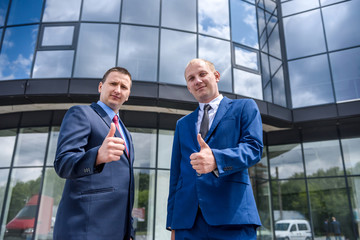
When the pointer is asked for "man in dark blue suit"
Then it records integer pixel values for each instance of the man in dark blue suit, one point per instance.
(210, 194)
(95, 155)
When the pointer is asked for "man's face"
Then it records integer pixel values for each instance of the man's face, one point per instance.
(115, 90)
(202, 81)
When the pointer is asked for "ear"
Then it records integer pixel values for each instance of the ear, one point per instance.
(99, 87)
(217, 76)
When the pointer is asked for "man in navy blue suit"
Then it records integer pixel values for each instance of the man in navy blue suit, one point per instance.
(95, 155)
(210, 195)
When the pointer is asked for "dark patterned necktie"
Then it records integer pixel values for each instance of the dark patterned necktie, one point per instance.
(204, 127)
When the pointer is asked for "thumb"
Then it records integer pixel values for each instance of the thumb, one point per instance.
(201, 141)
(111, 131)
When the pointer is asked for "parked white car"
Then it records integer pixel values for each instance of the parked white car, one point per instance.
(292, 230)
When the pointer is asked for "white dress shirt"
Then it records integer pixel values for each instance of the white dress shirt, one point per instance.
(212, 112)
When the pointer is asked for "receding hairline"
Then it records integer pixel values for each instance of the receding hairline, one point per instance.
(196, 60)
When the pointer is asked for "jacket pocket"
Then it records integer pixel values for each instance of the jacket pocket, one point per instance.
(97, 191)
(239, 177)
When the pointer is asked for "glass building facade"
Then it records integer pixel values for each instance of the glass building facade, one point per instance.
(299, 60)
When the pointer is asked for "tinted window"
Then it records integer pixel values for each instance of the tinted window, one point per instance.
(25, 11)
(179, 14)
(142, 12)
(53, 64)
(64, 10)
(104, 10)
(281, 226)
(302, 227)
(247, 84)
(246, 58)
(58, 35)
(293, 228)
(295, 6)
(4, 4)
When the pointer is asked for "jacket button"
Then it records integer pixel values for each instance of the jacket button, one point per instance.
(198, 174)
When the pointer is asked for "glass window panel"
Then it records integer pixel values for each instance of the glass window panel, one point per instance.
(96, 49)
(327, 2)
(271, 24)
(53, 64)
(7, 143)
(274, 43)
(345, 66)
(213, 17)
(25, 11)
(247, 84)
(145, 146)
(278, 86)
(22, 200)
(267, 93)
(265, 68)
(286, 161)
(329, 198)
(351, 152)
(289, 200)
(275, 64)
(243, 23)
(179, 44)
(51, 194)
(296, 6)
(138, 51)
(340, 24)
(141, 12)
(17, 52)
(58, 36)
(304, 39)
(60, 11)
(166, 138)
(31, 146)
(179, 14)
(310, 82)
(54, 134)
(143, 211)
(270, 5)
(261, 20)
(218, 52)
(4, 174)
(262, 197)
(246, 58)
(323, 158)
(4, 4)
(354, 186)
(104, 10)
(260, 170)
(162, 192)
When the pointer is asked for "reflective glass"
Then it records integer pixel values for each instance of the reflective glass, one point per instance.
(96, 49)
(145, 146)
(310, 82)
(143, 211)
(289, 200)
(246, 58)
(267, 93)
(278, 86)
(329, 198)
(50, 157)
(218, 52)
(247, 84)
(265, 68)
(4, 4)
(271, 24)
(354, 186)
(4, 175)
(304, 39)
(286, 161)
(58, 36)
(25, 11)
(323, 158)
(51, 194)
(141, 12)
(327, 2)
(262, 198)
(261, 20)
(60, 11)
(104, 10)
(179, 14)
(166, 138)
(179, 44)
(7, 143)
(17, 52)
(243, 23)
(270, 5)
(260, 170)
(340, 24)
(31, 146)
(296, 6)
(275, 64)
(22, 201)
(345, 66)
(213, 18)
(53, 64)
(162, 192)
(351, 152)
(138, 51)
(274, 43)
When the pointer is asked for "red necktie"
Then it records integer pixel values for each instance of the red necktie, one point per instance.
(116, 121)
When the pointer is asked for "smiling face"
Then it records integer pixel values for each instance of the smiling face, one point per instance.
(115, 90)
(202, 80)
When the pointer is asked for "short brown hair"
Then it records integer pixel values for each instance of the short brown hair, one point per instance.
(116, 69)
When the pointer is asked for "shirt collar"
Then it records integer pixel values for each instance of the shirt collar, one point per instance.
(214, 103)
(107, 109)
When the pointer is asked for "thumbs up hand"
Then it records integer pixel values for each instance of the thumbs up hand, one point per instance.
(112, 147)
(203, 161)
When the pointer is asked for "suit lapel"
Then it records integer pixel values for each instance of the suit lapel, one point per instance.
(223, 108)
(191, 122)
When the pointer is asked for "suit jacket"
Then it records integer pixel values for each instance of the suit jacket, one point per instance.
(235, 138)
(97, 200)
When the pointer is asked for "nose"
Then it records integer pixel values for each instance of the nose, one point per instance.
(198, 80)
